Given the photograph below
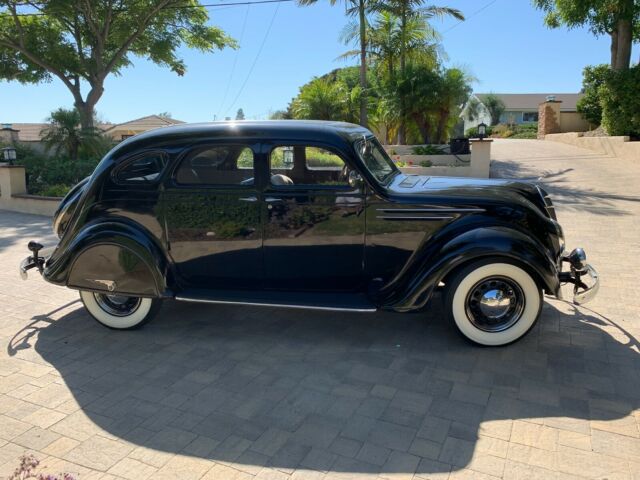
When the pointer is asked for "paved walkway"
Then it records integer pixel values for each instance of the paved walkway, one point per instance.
(219, 392)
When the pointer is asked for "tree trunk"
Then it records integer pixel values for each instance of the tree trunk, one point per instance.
(624, 40)
(87, 107)
(614, 48)
(363, 65)
(442, 124)
(402, 130)
(423, 127)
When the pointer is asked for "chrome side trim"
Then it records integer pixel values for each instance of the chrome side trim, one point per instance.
(414, 218)
(277, 305)
(429, 210)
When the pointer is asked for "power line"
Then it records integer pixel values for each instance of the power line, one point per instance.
(182, 7)
(264, 40)
(470, 16)
(235, 59)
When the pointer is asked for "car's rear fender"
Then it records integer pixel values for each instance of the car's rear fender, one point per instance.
(114, 256)
(454, 252)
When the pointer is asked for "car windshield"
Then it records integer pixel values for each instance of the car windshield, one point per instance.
(375, 159)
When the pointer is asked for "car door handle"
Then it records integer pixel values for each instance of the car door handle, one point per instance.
(248, 199)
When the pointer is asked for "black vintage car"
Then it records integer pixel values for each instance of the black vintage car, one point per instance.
(304, 215)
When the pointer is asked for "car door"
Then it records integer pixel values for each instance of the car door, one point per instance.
(212, 217)
(314, 222)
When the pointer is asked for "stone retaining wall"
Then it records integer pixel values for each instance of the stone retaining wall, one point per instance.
(619, 147)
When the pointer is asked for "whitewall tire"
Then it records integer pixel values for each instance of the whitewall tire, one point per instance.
(119, 312)
(493, 303)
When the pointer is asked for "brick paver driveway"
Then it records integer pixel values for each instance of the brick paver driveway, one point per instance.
(230, 392)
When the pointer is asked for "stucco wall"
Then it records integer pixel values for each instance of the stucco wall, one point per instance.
(573, 122)
(619, 147)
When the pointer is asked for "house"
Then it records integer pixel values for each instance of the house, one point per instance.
(31, 134)
(128, 129)
(523, 108)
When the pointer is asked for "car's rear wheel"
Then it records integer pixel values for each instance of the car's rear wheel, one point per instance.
(118, 311)
(493, 303)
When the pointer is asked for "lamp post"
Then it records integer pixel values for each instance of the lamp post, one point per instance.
(9, 155)
(482, 130)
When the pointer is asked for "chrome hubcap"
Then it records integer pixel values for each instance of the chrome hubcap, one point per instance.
(495, 304)
(117, 305)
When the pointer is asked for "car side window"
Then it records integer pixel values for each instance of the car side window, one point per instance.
(307, 165)
(143, 169)
(217, 165)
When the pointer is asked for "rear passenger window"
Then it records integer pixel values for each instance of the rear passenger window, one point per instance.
(307, 165)
(219, 165)
(144, 169)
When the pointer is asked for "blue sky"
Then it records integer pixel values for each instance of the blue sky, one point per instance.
(505, 46)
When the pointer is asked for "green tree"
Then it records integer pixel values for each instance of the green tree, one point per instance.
(324, 99)
(453, 89)
(590, 105)
(64, 135)
(82, 42)
(406, 10)
(620, 19)
(359, 9)
(621, 102)
(495, 106)
(240, 114)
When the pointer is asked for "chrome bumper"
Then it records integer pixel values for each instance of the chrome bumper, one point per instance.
(35, 260)
(580, 270)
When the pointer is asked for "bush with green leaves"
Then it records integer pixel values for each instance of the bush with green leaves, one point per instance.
(473, 132)
(51, 176)
(620, 100)
(428, 150)
(593, 77)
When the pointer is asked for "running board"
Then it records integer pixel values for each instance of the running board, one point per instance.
(336, 302)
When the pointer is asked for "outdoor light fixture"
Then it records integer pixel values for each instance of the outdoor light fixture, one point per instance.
(482, 130)
(9, 155)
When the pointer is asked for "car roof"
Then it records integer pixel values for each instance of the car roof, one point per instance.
(327, 131)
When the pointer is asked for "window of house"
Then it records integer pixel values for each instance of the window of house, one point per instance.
(217, 165)
(306, 165)
(530, 117)
(143, 169)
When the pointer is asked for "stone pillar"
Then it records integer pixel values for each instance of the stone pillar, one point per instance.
(12, 182)
(8, 135)
(548, 118)
(480, 157)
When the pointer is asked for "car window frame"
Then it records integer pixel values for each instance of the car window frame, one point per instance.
(306, 187)
(125, 162)
(194, 150)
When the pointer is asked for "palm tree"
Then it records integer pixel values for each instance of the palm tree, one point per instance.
(407, 10)
(320, 99)
(65, 135)
(358, 8)
(496, 107)
(453, 89)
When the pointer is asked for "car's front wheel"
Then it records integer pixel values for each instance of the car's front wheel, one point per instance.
(493, 303)
(118, 311)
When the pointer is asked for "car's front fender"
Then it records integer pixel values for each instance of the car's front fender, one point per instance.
(118, 257)
(448, 254)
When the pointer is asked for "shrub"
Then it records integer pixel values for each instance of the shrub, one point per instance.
(621, 103)
(427, 150)
(50, 176)
(426, 163)
(593, 77)
(473, 132)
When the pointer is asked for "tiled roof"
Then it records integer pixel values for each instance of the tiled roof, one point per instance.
(145, 123)
(530, 101)
(31, 132)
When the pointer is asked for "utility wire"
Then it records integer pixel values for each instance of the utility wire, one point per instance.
(264, 40)
(470, 16)
(235, 59)
(183, 7)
